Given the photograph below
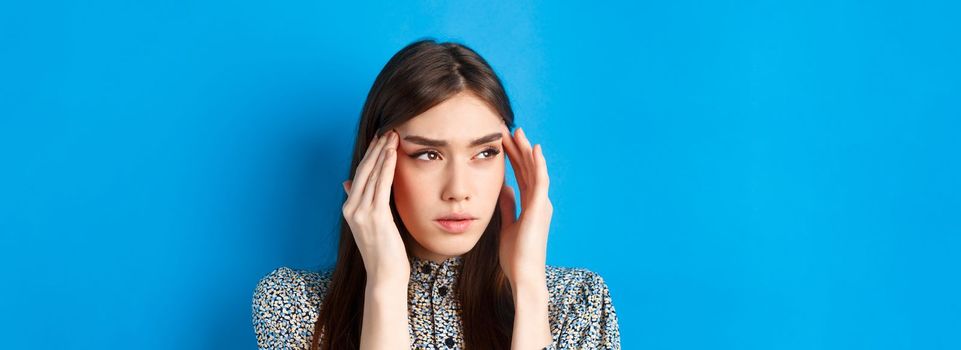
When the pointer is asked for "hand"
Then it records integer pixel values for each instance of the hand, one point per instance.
(523, 243)
(367, 211)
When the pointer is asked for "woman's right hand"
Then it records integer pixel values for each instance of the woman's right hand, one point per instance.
(367, 211)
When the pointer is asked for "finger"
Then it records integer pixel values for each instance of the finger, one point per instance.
(386, 177)
(514, 155)
(525, 146)
(507, 204)
(542, 180)
(526, 155)
(371, 187)
(366, 163)
(363, 173)
(370, 145)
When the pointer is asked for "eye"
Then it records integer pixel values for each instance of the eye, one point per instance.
(491, 152)
(428, 153)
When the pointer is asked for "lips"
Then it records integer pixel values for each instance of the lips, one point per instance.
(455, 223)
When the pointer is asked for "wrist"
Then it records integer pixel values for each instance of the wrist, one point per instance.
(530, 293)
(381, 287)
(531, 317)
(534, 281)
(384, 273)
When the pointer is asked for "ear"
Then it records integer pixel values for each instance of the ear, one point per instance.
(507, 205)
(346, 186)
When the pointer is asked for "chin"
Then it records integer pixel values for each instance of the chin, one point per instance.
(448, 244)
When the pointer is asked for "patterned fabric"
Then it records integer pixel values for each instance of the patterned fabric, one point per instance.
(582, 316)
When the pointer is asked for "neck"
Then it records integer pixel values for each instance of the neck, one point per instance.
(424, 254)
(416, 250)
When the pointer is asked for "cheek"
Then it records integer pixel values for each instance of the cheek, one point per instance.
(408, 188)
(488, 182)
(413, 181)
(405, 178)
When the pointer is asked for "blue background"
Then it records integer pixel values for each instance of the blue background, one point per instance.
(744, 175)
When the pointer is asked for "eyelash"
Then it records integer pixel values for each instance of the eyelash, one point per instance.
(492, 150)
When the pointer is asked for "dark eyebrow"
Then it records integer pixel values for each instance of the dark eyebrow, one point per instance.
(420, 140)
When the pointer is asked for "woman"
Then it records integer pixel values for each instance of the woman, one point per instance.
(432, 254)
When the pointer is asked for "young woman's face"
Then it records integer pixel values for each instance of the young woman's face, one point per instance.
(450, 161)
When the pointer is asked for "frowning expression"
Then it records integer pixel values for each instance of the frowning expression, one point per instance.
(450, 162)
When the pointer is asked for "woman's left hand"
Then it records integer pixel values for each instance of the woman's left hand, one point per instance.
(523, 242)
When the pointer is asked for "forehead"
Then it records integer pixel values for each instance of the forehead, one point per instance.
(458, 119)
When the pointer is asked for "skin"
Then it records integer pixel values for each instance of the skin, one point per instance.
(456, 177)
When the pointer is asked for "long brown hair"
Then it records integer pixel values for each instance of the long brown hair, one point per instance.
(418, 77)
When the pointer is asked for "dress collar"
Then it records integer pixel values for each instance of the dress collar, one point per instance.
(424, 270)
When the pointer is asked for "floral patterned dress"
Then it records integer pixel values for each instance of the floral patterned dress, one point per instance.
(286, 303)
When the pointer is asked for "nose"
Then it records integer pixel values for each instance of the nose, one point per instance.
(458, 186)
